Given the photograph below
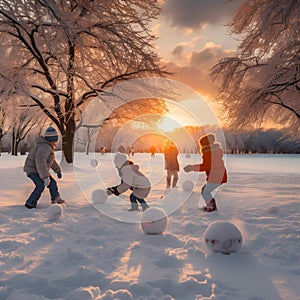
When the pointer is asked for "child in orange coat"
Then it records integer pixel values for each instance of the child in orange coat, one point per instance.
(213, 165)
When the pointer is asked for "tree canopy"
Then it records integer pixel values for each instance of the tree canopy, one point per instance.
(60, 54)
(261, 82)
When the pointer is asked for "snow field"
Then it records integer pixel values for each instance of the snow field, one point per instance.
(90, 254)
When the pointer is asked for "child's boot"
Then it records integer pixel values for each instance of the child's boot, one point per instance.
(144, 206)
(211, 206)
(134, 206)
(58, 200)
(30, 204)
(174, 182)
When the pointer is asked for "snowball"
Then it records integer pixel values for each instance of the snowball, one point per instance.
(154, 221)
(99, 196)
(222, 236)
(54, 212)
(187, 185)
(94, 163)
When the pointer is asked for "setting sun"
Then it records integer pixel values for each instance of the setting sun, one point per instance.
(193, 112)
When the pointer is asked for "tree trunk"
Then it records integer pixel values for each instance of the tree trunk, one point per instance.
(14, 145)
(88, 142)
(1, 136)
(67, 141)
(14, 150)
(87, 147)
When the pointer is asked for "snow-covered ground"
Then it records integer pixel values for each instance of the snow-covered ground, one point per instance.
(102, 253)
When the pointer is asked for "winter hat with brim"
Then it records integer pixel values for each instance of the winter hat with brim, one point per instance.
(207, 140)
(120, 159)
(51, 135)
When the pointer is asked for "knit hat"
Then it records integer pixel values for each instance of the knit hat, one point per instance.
(207, 140)
(120, 159)
(51, 135)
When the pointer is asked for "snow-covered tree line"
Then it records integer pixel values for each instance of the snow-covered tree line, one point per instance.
(186, 139)
(58, 55)
(261, 141)
(236, 142)
(262, 81)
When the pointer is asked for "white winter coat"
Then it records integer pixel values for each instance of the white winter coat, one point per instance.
(132, 178)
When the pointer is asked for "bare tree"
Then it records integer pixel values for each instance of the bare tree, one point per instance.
(262, 81)
(70, 51)
(22, 122)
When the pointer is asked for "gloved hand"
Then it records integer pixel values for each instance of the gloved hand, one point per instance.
(109, 192)
(113, 190)
(188, 168)
(46, 181)
(59, 175)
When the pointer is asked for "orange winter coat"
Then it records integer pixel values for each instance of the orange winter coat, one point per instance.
(212, 164)
(171, 160)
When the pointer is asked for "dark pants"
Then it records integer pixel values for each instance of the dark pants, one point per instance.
(134, 199)
(39, 188)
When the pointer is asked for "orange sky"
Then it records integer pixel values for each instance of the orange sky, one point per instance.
(192, 37)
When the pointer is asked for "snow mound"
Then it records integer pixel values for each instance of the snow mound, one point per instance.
(223, 236)
(154, 221)
(84, 293)
(21, 294)
(273, 209)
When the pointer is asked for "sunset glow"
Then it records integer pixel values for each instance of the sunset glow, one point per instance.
(193, 112)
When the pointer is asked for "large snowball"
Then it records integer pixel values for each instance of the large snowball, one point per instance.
(54, 212)
(154, 221)
(222, 236)
(99, 196)
(187, 185)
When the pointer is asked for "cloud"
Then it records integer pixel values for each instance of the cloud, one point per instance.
(178, 51)
(195, 73)
(195, 14)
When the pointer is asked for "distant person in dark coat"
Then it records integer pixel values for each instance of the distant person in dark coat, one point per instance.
(171, 163)
(38, 163)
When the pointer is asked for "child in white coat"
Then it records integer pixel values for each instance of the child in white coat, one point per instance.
(131, 178)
